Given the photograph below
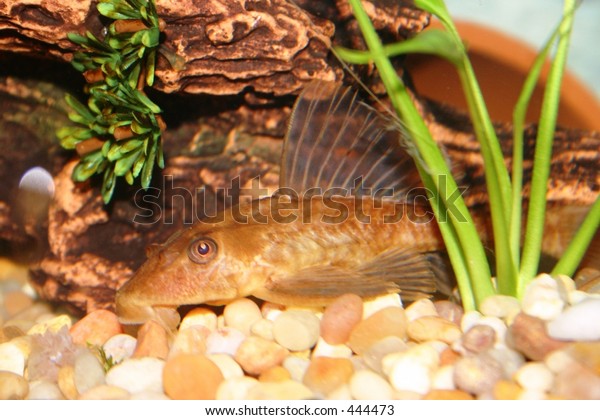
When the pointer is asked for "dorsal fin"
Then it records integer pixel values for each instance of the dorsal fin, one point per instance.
(336, 141)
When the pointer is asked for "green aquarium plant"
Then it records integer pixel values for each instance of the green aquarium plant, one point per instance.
(515, 265)
(117, 133)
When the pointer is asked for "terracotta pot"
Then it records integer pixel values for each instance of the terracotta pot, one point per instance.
(501, 64)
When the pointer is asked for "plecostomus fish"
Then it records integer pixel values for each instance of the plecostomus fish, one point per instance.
(349, 217)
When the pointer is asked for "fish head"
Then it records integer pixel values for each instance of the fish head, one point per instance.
(202, 264)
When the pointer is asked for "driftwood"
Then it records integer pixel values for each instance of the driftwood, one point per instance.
(255, 56)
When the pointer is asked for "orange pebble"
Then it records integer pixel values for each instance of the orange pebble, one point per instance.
(191, 377)
(95, 328)
(152, 341)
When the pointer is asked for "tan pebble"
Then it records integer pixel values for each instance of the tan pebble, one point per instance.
(450, 311)
(88, 372)
(105, 392)
(53, 324)
(528, 335)
(368, 385)
(387, 322)
(199, 317)
(534, 376)
(16, 301)
(284, 390)
(275, 374)
(152, 341)
(33, 312)
(191, 340)
(577, 383)
(340, 317)
(95, 328)
(12, 357)
(255, 355)
(375, 354)
(586, 353)
(477, 374)
(371, 306)
(191, 377)
(447, 394)
(137, 374)
(296, 330)
(12, 386)
(296, 366)
(263, 328)
(44, 390)
(241, 314)
(428, 328)
(479, 338)
(119, 347)
(501, 306)
(412, 369)
(443, 378)
(66, 382)
(559, 360)
(7, 333)
(419, 308)
(323, 348)
(325, 374)
(235, 388)
(448, 357)
(229, 367)
(506, 390)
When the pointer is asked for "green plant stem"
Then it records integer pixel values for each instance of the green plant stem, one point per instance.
(471, 259)
(578, 246)
(543, 151)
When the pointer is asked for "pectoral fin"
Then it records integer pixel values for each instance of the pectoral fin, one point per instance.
(394, 271)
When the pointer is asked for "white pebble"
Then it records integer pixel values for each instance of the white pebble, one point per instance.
(500, 306)
(374, 305)
(412, 369)
(443, 378)
(271, 311)
(224, 340)
(241, 314)
(420, 308)
(137, 375)
(469, 320)
(509, 359)
(88, 371)
(367, 385)
(235, 388)
(532, 394)
(44, 390)
(544, 297)
(199, 316)
(12, 358)
(534, 376)
(342, 392)
(263, 328)
(228, 367)
(296, 330)
(323, 348)
(580, 322)
(296, 366)
(497, 324)
(119, 347)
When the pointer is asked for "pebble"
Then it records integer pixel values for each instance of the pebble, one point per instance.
(447, 394)
(193, 340)
(12, 358)
(52, 324)
(241, 314)
(479, 338)
(449, 311)
(235, 388)
(88, 372)
(224, 340)
(506, 390)
(322, 348)
(271, 311)
(95, 328)
(577, 383)
(528, 335)
(412, 369)
(325, 374)
(119, 347)
(544, 297)
(368, 385)
(580, 322)
(509, 359)
(44, 390)
(199, 317)
(66, 382)
(390, 321)
(286, 390)
(371, 306)
(419, 308)
(501, 306)
(105, 392)
(497, 324)
(191, 377)
(587, 354)
(374, 355)
(16, 301)
(296, 366)
(12, 386)
(443, 378)
(263, 328)
(10, 332)
(534, 376)
(477, 374)
(428, 328)
(137, 375)
(228, 367)
(255, 355)
(296, 330)
(275, 374)
(152, 341)
(340, 317)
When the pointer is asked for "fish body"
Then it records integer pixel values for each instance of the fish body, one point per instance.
(349, 217)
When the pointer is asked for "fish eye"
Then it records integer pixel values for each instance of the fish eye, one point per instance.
(202, 250)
